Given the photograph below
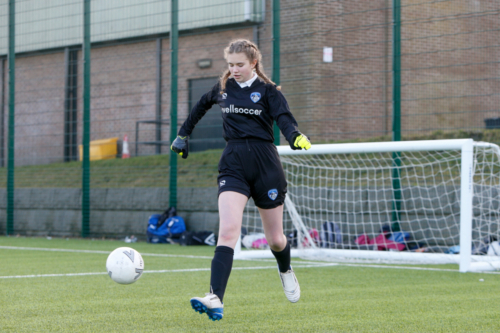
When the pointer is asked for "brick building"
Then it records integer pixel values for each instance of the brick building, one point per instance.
(450, 68)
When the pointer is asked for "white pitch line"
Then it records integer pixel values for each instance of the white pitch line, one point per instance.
(100, 252)
(243, 268)
(142, 254)
(237, 268)
(49, 275)
(311, 264)
(154, 271)
(415, 268)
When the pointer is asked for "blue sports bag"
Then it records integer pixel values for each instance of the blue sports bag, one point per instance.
(159, 233)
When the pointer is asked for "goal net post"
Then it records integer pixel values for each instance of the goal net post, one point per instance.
(426, 202)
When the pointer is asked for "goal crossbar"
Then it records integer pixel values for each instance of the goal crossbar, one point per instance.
(465, 259)
(378, 147)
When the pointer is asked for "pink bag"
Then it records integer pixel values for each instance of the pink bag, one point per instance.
(385, 244)
(363, 240)
(314, 236)
(260, 243)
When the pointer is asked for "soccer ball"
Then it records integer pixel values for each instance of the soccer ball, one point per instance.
(125, 265)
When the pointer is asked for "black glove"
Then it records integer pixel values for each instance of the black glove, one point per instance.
(300, 141)
(180, 146)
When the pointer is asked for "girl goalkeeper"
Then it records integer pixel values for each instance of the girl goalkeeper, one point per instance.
(249, 165)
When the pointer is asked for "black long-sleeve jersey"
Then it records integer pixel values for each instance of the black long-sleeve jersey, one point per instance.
(247, 113)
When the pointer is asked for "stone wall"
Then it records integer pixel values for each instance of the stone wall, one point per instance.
(117, 212)
(114, 212)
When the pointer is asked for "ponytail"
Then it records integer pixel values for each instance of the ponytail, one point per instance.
(223, 79)
(264, 76)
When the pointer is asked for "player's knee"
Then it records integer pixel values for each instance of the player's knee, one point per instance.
(227, 235)
(277, 243)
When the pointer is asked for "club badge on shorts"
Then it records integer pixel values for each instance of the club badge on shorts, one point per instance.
(273, 194)
(255, 97)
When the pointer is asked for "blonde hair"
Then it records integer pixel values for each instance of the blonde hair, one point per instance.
(252, 53)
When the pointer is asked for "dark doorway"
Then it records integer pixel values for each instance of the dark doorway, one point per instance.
(208, 132)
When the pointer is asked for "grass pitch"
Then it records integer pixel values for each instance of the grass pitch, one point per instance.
(61, 285)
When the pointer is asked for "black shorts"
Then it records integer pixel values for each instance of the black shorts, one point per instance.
(253, 168)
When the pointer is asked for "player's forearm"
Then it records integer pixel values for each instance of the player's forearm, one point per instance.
(194, 117)
(288, 126)
(198, 111)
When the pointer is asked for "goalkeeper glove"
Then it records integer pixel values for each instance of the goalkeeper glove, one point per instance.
(300, 141)
(180, 146)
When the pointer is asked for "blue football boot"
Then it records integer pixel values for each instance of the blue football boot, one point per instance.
(210, 304)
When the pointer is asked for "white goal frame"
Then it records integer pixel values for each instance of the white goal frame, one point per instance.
(466, 261)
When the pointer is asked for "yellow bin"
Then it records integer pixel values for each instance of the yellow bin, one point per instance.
(101, 149)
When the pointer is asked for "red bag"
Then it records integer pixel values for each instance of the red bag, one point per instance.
(314, 236)
(385, 244)
(363, 240)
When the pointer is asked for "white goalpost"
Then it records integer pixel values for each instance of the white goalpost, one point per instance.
(426, 202)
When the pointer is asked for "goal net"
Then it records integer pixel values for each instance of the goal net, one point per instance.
(412, 202)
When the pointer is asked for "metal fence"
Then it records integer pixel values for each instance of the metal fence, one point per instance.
(85, 80)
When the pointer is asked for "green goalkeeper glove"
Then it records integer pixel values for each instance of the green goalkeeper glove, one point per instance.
(180, 146)
(300, 141)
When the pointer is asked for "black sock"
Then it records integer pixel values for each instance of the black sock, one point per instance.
(283, 258)
(221, 268)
